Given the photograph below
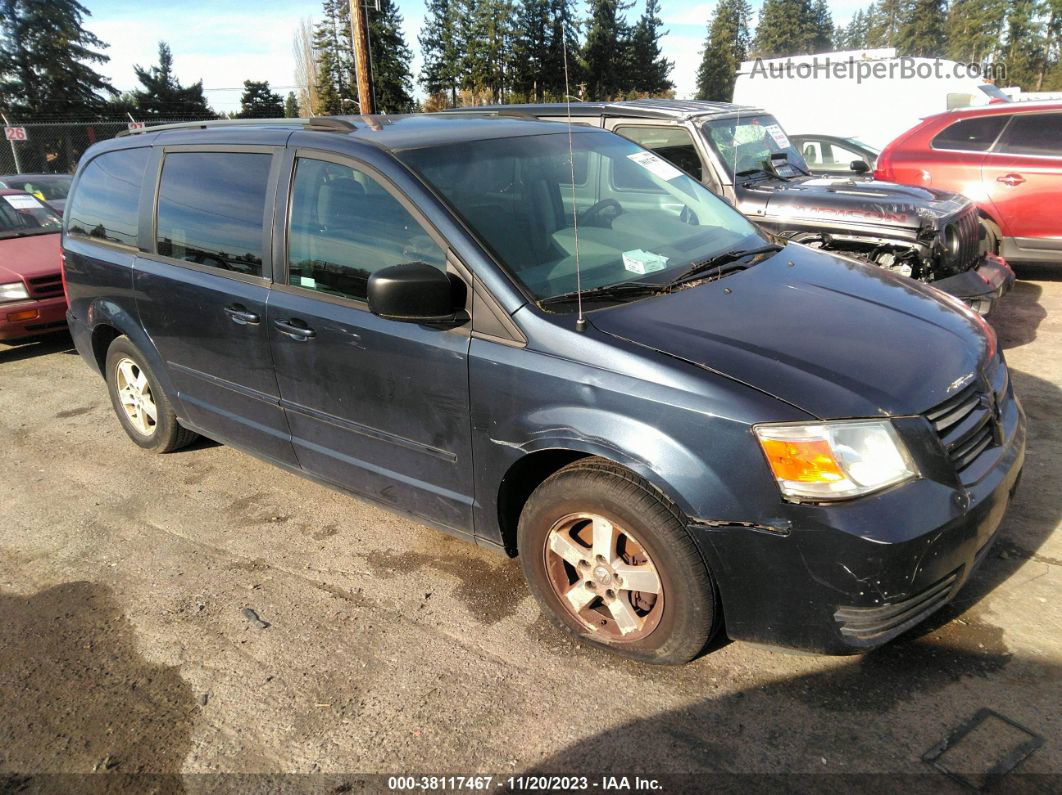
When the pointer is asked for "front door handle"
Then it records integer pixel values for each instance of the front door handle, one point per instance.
(1011, 179)
(295, 329)
(238, 314)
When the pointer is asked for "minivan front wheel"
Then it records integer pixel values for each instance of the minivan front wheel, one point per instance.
(141, 405)
(611, 562)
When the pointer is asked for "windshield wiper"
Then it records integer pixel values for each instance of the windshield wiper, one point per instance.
(722, 263)
(621, 290)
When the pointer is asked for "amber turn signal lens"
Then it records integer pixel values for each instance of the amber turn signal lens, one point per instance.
(809, 461)
(25, 314)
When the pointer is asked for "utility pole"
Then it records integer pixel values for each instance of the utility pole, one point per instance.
(359, 27)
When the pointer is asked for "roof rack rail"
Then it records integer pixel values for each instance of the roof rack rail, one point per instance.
(317, 123)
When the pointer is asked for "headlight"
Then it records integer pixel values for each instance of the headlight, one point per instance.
(15, 291)
(835, 460)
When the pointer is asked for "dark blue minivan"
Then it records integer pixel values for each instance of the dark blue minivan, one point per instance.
(552, 342)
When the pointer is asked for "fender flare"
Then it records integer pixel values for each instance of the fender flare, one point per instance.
(106, 312)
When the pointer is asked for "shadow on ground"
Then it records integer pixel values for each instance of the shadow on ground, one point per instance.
(78, 698)
(36, 346)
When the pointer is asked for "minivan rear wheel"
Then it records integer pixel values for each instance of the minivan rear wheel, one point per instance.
(610, 561)
(142, 407)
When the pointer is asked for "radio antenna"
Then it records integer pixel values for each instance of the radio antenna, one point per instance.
(580, 321)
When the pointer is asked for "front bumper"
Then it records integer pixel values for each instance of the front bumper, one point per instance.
(981, 286)
(29, 318)
(845, 577)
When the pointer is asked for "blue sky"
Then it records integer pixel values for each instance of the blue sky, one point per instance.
(224, 42)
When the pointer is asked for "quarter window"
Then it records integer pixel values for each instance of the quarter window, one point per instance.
(970, 135)
(1033, 134)
(345, 226)
(107, 200)
(211, 209)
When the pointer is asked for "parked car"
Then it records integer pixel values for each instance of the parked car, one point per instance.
(668, 416)
(31, 287)
(51, 188)
(832, 155)
(1007, 158)
(744, 155)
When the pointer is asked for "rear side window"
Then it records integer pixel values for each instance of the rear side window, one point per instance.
(672, 143)
(211, 209)
(107, 200)
(1033, 134)
(344, 226)
(970, 135)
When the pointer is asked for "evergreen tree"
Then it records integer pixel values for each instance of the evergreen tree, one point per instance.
(488, 52)
(562, 36)
(820, 28)
(440, 46)
(46, 59)
(163, 96)
(606, 51)
(856, 32)
(1022, 45)
(726, 46)
(786, 27)
(392, 79)
(258, 102)
(531, 43)
(974, 29)
(924, 32)
(649, 68)
(291, 106)
(884, 20)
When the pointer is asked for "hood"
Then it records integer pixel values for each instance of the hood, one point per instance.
(830, 336)
(28, 257)
(851, 201)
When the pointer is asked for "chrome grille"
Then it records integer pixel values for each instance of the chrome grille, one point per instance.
(46, 286)
(968, 423)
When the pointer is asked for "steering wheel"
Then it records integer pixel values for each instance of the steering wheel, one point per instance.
(594, 215)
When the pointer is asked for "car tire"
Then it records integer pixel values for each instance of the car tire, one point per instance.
(142, 407)
(990, 235)
(593, 507)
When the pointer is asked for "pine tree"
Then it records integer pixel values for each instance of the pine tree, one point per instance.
(562, 36)
(440, 48)
(607, 48)
(46, 59)
(974, 29)
(392, 80)
(259, 102)
(291, 106)
(786, 27)
(531, 42)
(924, 33)
(163, 96)
(649, 68)
(1022, 45)
(726, 46)
(488, 53)
(328, 98)
(820, 24)
(885, 20)
(856, 32)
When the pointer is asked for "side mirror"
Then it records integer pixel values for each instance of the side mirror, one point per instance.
(414, 292)
(859, 166)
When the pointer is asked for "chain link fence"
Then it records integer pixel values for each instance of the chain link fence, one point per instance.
(55, 147)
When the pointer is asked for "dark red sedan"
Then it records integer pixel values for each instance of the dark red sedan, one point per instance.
(31, 286)
(1006, 157)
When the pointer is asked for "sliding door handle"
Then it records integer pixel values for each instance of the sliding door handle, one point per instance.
(295, 329)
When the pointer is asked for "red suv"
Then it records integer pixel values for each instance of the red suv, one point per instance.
(1007, 158)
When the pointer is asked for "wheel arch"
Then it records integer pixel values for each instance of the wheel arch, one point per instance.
(108, 320)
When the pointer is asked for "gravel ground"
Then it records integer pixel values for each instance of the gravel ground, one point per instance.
(378, 645)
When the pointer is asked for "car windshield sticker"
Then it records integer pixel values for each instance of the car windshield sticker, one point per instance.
(20, 202)
(639, 261)
(307, 281)
(778, 135)
(656, 165)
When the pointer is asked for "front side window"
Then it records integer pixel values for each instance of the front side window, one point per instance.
(1037, 134)
(211, 209)
(744, 143)
(22, 215)
(970, 135)
(106, 204)
(510, 193)
(674, 144)
(344, 226)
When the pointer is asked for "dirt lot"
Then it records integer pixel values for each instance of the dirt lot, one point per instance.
(390, 648)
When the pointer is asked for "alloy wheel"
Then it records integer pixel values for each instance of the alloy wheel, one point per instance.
(134, 393)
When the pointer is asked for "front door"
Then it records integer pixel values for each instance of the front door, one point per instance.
(202, 294)
(376, 406)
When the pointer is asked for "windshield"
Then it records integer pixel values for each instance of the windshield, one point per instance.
(745, 142)
(640, 219)
(47, 188)
(22, 214)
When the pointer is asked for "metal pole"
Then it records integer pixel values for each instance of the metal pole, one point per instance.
(359, 28)
(14, 150)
